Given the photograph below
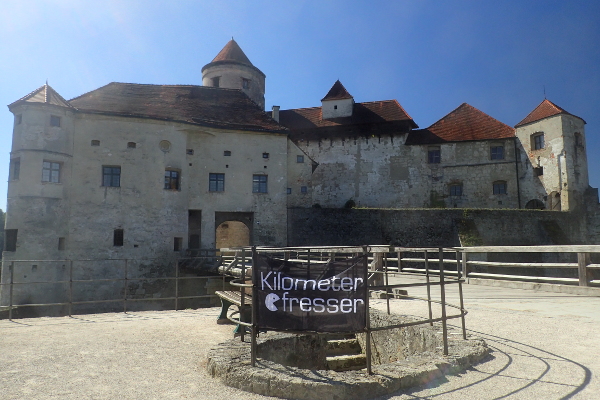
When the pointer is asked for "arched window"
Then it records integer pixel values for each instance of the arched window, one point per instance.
(535, 204)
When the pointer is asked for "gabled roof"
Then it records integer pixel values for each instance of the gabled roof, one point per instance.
(44, 94)
(206, 106)
(544, 110)
(463, 124)
(377, 117)
(337, 92)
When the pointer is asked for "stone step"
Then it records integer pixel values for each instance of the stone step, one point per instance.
(347, 362)
(343, 346)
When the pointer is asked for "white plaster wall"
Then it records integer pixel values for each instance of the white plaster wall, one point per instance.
(344, 108)
(564, 164)
(231, 78)
(386, 173)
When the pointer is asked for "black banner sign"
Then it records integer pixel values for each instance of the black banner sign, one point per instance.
(316, 297)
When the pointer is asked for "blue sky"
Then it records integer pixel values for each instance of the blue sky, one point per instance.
(431, 56)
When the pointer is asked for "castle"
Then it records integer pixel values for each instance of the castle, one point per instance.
(142, 171)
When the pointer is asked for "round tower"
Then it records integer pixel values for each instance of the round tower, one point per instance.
(231, 69)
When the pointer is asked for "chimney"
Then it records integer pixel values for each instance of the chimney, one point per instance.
(275, 114)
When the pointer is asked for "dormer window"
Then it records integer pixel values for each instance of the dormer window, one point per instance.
(215, 81)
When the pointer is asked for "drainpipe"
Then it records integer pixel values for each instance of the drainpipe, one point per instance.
(517, 173)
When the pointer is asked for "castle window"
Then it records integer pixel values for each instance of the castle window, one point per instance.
(215, 81)
(131, 145)
(189, 152)
(216, 182)
(118, 237)
(227, 153)
(61, 243)
(177, 244)
(15, 168)
(497, 152)
(54, 120)
(265, 155)
(111, 176)
(289, 190)
(500, 187)
(10, 239)
(335, 107)
(51, 172)
(434, 155)
(171, 179)
(18, 119)
(303, 189)
(259, 183)
(456, 190)
(299, 159)
(246, 83)
(95, 143)
(537, 141)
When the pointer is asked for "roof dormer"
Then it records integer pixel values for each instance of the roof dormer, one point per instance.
(337, 103)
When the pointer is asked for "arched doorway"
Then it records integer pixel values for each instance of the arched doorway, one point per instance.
(535, 204)
(232, 234)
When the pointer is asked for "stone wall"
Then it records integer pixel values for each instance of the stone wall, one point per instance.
(432, 227)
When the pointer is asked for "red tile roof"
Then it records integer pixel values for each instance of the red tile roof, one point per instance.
(544, 110)
(232, 52)
(377, 117)
(463, 124)
(337, 92)
(200, 105)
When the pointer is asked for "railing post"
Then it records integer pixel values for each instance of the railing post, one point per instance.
(460, 294)
(125, 288)
(399, 261)
(367, 315)
(70, 287)
(242, 328)
(583, 260)
(428, 287)
(465, 264)
(10, 294)
(176, 284)
(443, 298)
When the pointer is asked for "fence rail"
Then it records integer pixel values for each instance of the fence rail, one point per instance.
(122, 281)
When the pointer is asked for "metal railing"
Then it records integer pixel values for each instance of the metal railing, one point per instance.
(573, 257)
(75, 276)
(378, 279)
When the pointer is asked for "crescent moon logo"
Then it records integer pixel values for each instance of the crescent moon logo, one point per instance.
(269, 300)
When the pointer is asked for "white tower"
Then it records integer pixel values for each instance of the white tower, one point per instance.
(231, 69)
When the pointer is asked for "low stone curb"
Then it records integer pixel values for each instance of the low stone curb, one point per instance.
(230, 362)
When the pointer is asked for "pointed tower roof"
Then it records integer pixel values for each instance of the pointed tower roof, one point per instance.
(44, 94)
(544, 110)
(232, 52)
(337, 92)
(464, 123)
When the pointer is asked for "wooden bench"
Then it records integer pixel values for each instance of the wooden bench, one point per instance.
(230, 298)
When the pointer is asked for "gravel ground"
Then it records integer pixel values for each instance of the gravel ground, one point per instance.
(544, 346)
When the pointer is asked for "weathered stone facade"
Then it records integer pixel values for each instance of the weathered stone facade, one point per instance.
(132, 171)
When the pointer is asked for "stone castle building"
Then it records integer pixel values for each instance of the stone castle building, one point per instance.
(143, 171)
